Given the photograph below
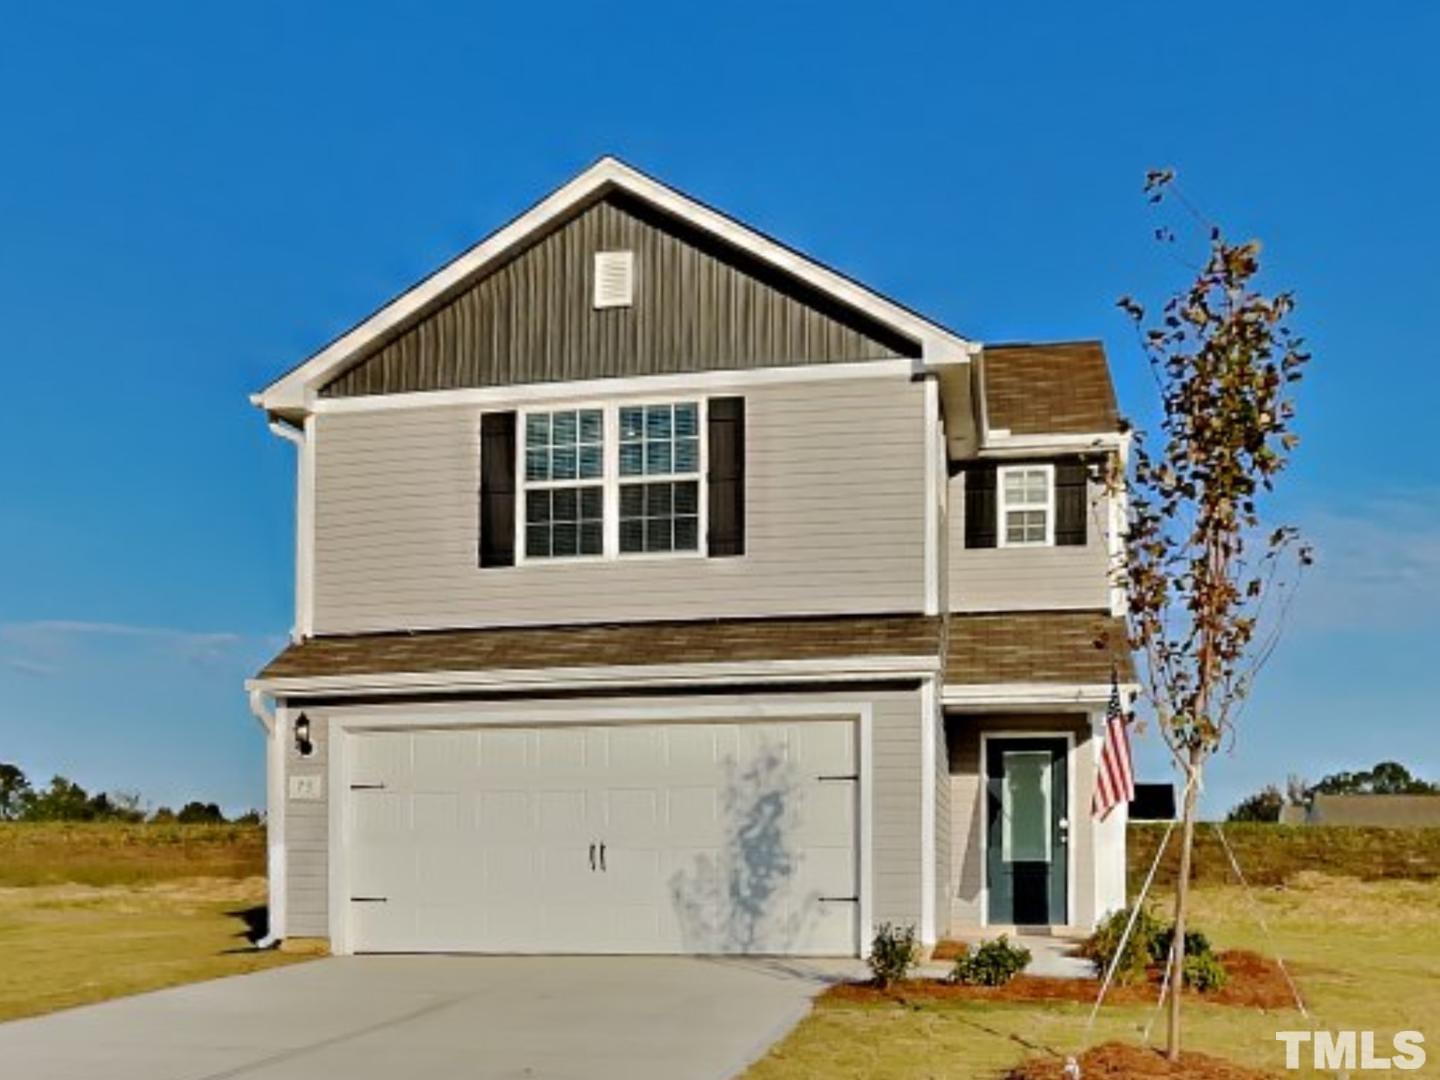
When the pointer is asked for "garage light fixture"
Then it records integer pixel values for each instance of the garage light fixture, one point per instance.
(303, 746)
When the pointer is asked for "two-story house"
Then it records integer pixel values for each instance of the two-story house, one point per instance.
(659, 589)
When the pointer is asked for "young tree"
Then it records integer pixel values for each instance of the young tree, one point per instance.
(1206, 579)
(14, 791)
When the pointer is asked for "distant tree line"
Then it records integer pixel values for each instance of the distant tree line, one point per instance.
(1386, 778)
(65, 800)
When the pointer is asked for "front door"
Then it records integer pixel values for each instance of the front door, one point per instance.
(1027, 830)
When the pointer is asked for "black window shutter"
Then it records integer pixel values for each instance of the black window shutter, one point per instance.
(497, 489)
(980, 507)
(1071, 502)
(727, 476)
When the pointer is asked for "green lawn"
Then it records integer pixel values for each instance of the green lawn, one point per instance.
(89, 912)
(1366, 955)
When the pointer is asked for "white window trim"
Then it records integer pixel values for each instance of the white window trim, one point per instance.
(525, 485)
(610, 480)
(1001, 507)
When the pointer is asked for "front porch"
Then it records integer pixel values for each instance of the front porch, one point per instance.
(1024, 709)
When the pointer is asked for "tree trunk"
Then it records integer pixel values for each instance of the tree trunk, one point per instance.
(1182, 905)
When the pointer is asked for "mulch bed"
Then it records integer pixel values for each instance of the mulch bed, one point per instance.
(1255, 982)
(1121, 1061)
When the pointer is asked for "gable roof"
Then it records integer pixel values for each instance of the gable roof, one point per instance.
(295, 391)
(1059, 388)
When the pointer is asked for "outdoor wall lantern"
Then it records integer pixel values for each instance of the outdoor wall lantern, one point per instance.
(303, 746)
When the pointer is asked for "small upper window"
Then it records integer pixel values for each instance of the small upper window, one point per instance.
(661, 444)
(1027, 506)
(564, 483)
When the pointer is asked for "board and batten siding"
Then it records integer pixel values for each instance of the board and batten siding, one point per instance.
(895, 765)
(698, 306)
(1028, 578)
(967, 811)
(835, 521)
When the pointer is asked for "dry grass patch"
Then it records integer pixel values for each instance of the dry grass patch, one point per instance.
(72, 944)
(107, 853)
(1119, 1061)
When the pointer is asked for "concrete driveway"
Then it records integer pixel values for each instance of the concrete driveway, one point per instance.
(416, 1018)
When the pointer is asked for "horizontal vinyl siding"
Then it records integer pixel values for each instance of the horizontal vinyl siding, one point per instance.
(834, 522)
(1029, 579)
(895, 772)
(307, 832)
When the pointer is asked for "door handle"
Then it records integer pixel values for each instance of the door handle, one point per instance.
(592, 858)
(602, 857)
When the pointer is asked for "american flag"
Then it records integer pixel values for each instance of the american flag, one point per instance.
(1115, 778)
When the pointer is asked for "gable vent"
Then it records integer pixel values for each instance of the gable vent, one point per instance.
(614, 279)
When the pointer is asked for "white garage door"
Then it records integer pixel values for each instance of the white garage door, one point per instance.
(655, 838)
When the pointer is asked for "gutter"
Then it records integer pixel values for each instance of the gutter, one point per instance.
(261, 712)
(266, 718)
(288, 432)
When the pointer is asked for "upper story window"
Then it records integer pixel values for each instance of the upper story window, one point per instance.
(661, 444)
(564, 483)
(1026, 507)
(607, 480)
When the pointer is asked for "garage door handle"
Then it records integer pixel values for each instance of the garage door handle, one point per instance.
(847, 777)
(592, 858)
(839, 899)
(602, 857)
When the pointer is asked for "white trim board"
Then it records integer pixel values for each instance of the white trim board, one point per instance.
(342, 723)
(298, 389)
(1029, 695)
(617, 389)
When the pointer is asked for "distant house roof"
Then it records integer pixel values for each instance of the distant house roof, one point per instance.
(1393, 811)
(608, 645)
(1037, 647)
(1061, 388)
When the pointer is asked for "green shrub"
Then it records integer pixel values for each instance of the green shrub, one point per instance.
(1204, 972)
(1196, 944)
(1100, 947)
(892, 954)
(993, 963)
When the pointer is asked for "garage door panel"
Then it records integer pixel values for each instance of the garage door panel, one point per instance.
(449, 871)
(561, 815)
(719, 837)
(693, 816)
(381, 816)
(443, 760)
(825, 749)
(505, 753)
(436, 814)
(561, 752)
(381, 759)
(509, 875)
(505, 818)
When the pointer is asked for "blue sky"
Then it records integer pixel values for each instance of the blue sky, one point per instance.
(193, 197)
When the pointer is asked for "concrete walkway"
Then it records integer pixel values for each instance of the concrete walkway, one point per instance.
(418, 1018)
